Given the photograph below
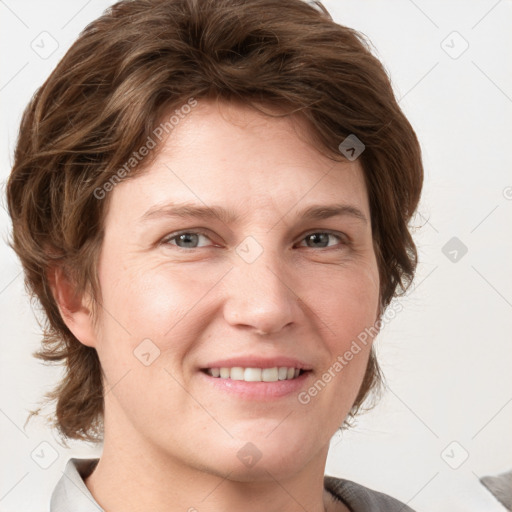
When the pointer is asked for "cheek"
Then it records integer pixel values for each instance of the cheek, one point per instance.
(348, 304)
(159, 310)
(151, 300)
(349, 309)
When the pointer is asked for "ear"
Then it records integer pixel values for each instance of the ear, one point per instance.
(75, 311)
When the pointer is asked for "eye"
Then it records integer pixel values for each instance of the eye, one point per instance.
(185, 239)
(321, 239)
(192, 239)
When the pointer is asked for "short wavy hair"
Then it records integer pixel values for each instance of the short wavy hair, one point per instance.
(140, 60)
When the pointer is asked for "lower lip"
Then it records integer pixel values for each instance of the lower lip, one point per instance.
(258, 390)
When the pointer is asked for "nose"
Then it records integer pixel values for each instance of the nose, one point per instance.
(261, 296)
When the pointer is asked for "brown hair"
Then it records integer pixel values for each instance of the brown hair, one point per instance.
(141, 60)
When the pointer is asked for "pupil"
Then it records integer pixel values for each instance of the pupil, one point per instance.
(186, 237)
(317, 238)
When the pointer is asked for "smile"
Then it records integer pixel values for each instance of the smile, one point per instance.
(255, 374)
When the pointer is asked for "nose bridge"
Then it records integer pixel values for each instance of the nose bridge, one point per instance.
(260, 292)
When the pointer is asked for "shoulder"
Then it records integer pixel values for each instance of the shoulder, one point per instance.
(362, 499)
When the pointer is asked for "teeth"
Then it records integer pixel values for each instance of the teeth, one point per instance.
(255, 374)
(237, 373)
(270, 375)
(252, 374)
(282, 373)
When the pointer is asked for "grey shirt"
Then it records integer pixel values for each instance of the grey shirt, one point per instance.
(72, 495)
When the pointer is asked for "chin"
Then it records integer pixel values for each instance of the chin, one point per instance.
(260, 458)
(271, 468)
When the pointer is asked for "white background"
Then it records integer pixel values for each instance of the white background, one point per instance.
(446, 356)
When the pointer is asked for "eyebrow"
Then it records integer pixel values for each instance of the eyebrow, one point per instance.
(228, 216)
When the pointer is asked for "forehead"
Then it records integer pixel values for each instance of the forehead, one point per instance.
(228, 154)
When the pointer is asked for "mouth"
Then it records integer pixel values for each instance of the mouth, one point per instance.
(256, 378)
(254, 374)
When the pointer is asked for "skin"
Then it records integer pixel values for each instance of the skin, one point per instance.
(170, 437)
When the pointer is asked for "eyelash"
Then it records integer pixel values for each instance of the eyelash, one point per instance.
(167, 240)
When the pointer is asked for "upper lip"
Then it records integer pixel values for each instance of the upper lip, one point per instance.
(258, 362)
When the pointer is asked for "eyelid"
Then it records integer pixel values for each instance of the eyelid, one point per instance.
(167, 238)
(344, 239)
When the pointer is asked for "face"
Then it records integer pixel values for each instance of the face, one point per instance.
(269, 291)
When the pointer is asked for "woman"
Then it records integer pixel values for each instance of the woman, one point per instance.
(210, 200)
